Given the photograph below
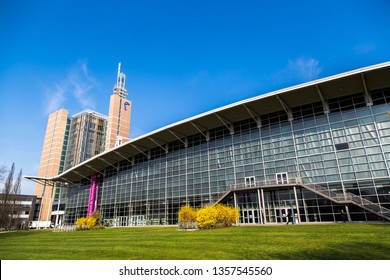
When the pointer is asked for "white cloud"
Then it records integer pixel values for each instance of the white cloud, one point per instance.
(305, 69)
(55, 98)
(78, 85)
(81, 83)
(301, 69)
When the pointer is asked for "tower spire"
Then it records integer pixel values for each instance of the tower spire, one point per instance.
(118, 125)
(119, 87)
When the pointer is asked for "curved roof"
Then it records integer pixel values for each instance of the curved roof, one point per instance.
(360, 80)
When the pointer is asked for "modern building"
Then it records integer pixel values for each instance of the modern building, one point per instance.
(86, 137)
(317, 149)
(71, 140)
(52, 159)
(20, 208)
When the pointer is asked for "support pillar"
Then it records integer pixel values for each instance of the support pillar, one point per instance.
(260, 208)
(296, 203)
(262, 201)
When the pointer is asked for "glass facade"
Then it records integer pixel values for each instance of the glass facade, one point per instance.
(86, 137)
(265, 168)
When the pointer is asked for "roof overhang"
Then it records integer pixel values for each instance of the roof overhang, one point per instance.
(364, 79)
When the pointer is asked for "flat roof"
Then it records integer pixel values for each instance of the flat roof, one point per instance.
(360, 80)
(91, 112)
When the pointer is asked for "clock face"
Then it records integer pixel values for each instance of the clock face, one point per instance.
(126, 104)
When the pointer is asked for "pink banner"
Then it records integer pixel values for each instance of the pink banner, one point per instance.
(92, 204)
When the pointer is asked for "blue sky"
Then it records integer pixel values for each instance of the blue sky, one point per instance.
(181, 58)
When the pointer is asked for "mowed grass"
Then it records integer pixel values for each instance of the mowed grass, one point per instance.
(298, 242)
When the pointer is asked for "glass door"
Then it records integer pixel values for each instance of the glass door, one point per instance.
(281, 178)
(123, 221)
(250, 182)
(250, 216)
(137, 220)
(281, 215)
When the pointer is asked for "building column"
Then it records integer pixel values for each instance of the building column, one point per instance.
(262, 201)
(235, 204)
(260, 208)
(296, 203)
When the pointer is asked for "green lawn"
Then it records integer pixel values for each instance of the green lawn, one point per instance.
(298, 242)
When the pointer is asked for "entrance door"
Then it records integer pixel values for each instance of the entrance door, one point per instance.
(137, 220)
(281, 215)
(250, 182)
(250, 216)
(281, 178)
(122, 221)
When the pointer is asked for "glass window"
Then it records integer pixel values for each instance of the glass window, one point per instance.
(382, 125)
(341, 146)
(378, 165)
(361, 167)
(345, 161)
(331, 178)
(328, 156)
(363, 174)
(330, 163)
(348, 176)
(380, 173)
(345, 169)
(356, 144)
(373, 158)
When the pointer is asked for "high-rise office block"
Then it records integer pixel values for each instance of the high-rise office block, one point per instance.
(86, 137)
(52, 158)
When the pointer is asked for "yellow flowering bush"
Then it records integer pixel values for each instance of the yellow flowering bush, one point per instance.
(187, 217)
(226, 215)
(207, 217)
(88, 223)
(81, 223)
(217, 216)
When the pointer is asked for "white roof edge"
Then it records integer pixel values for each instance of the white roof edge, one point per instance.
(89, 111)
(40, 177)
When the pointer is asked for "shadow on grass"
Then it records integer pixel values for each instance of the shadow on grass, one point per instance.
(347, 251)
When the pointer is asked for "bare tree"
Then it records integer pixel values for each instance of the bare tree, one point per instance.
(5, 196)
(15, 206)
(3, 170)
(9, 202)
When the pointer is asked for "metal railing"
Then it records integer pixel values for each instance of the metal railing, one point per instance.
(65, 228)
(338, 197)
(262, 184)
(348, 197)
